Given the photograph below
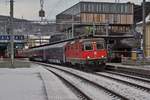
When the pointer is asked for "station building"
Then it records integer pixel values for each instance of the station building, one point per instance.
(83, 16)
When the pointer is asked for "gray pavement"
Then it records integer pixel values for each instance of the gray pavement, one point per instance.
(18, 63)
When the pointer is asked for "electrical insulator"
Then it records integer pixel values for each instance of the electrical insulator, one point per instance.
(41, 13)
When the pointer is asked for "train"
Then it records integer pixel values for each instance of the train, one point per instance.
(81, 52)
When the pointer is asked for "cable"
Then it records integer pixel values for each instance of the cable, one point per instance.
(41, 3)
(54, 7)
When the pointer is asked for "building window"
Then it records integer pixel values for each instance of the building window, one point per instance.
(126, 9)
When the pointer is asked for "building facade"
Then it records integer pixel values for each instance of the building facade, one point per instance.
(87, 16)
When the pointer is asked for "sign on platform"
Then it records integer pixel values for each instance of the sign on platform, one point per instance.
(6, 38)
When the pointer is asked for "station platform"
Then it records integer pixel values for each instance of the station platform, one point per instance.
(32, 83)
(118, 65)
(18, 63)
(142, 71)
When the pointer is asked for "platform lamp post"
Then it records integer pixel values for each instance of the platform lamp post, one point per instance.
(144, 29)
(11, 32)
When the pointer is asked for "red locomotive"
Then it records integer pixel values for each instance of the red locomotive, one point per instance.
(86, 51)
(78, 52)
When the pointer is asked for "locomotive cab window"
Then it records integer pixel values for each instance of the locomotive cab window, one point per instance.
(99, 46)
(88, 46)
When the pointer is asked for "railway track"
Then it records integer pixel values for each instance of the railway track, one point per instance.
(130, 76)
(127, 91)
(131, 81)
(84, 83)
(73, 88)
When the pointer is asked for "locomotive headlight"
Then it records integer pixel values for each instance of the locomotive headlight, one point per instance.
(88, 57)
(102, 56)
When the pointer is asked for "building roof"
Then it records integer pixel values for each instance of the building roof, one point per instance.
(91, 2)
(148, 17)
(138, 12)
(147, 20)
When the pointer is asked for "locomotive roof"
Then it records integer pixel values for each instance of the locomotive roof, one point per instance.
(94, 39)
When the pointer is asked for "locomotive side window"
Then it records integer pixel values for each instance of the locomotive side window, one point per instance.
(99, 45)
(68, 48)
(82, 46)
(88, 46)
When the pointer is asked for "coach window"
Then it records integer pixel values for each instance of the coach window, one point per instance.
(88, 46)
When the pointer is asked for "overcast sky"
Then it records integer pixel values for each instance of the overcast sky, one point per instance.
(28, 9)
